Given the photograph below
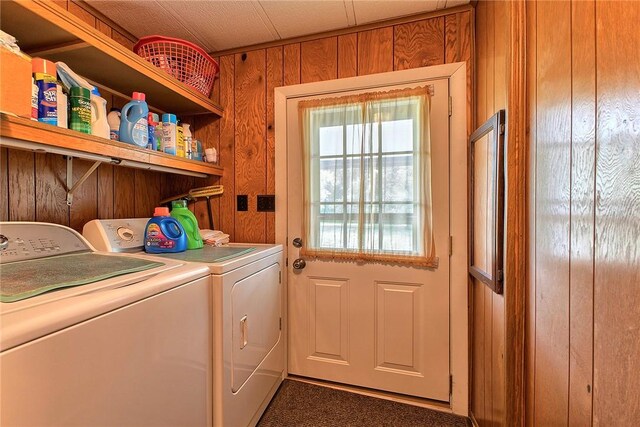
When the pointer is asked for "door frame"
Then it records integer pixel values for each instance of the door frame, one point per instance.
(458, 298)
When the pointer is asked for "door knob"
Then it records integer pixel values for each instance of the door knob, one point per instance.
(297, 242)
(299, 264)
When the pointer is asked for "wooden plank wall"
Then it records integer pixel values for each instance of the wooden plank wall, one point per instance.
(33, 185)
(583, 308)
(487, 390)
(246, 94)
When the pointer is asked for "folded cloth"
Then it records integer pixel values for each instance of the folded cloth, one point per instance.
(214, 237)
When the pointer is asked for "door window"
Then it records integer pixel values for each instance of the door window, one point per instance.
(367, 186)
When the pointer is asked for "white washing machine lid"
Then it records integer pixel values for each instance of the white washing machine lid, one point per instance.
(34, 317)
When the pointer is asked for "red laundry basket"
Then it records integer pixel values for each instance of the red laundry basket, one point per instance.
(183, 60)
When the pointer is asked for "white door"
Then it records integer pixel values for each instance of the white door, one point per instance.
(374, 325)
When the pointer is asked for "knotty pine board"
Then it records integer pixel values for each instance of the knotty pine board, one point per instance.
(22, 190)
(4, 185)
(319, 59)
(375, 51)
(458, 47)
(85, 197)
(51, 193)
(124, 193)
(348, 55)
(275, 78)
(419, 44)
(105, 191)
(227, 146)
(250, 140)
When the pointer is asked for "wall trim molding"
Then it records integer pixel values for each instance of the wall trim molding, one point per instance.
(348, 30)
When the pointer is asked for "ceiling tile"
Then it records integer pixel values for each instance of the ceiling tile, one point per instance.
(376, 10)
(297, 18)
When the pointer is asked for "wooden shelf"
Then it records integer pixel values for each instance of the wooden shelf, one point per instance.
(49, 138)
(50, 32)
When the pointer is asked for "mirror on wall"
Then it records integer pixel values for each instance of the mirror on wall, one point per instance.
(486, 228)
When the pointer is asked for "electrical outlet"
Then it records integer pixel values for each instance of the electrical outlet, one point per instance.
(242, 203)
(267, 203)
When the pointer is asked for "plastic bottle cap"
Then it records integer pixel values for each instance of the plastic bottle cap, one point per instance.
(150, 120)
(138, 96)
(179, 204)
(169, 118)
(161, 211)
(39, 65)
(95, 91)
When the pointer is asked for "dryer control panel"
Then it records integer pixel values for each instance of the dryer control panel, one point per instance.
(116, 235)
(21, 241)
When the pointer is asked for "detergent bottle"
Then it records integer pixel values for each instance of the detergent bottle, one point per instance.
(188, 220)
(164, 233)
(99, 120)
(133, 121)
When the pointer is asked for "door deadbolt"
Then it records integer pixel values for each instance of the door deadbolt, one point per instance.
(297, 242)
(299, 264)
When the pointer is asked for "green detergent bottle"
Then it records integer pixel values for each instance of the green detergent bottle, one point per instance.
(181, 212)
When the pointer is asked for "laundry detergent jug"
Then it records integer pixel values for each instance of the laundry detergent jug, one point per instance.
(181, 212)
(164, 233)
(133, 121)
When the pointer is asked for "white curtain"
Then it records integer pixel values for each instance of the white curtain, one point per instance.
(367, 172)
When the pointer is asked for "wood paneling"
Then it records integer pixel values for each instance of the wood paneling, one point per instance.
(81, 13)
(419, 44)
(274, 79)
(583, 87)
(85, 203)
(375, 51)
(319, 60)
(124, 193)
(4, 185)
(51, 204)
(105, 191)
(553, 208)
(250, 158)
(348, 55)
(22, 186)
(227, 144)
(292, 64)
(584, 315)
(616, 398)
(458, 47)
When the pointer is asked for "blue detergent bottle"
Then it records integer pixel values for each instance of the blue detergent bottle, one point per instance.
(164, 234)
(133, 121)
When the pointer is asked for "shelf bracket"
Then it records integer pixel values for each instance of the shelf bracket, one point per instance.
(71, 187)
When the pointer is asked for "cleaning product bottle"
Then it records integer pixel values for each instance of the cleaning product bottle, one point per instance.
(133, 121)
(180, 141)
(181, 212)
(113, 118)
(169, 133)
(80, 100)
(44, 74)
(153, 143)
(164, 233)
(99, 123)
(158, 131)
(62, 106)
(188, 141)
(34, 100)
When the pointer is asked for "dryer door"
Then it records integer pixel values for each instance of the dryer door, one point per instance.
(256, 312)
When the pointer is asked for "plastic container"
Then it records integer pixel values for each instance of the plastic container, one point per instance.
(99, 122)
(164, 233)
(44, 74)
(151, 123)
(34, 100)
(181, 212)
(157, 131)
(169, 133)
(180, 151)
(63, 106)
(133, 121)
(80, 100)
(113, 118)
(188, 141)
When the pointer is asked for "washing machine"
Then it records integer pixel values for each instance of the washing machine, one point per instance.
(246, 309)
(89, 338)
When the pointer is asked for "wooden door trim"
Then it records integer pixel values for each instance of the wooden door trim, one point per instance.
(516, 219)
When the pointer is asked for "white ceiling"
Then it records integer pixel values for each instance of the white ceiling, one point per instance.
(222, 24)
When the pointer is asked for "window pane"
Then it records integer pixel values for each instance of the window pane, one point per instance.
(397, 136)
(331, 180)
(330, 140)
(398, 178)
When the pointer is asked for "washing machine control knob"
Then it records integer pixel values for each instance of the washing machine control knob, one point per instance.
(4, 242)
(125, 233)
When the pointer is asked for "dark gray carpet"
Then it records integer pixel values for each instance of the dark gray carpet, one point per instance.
(301, 404)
